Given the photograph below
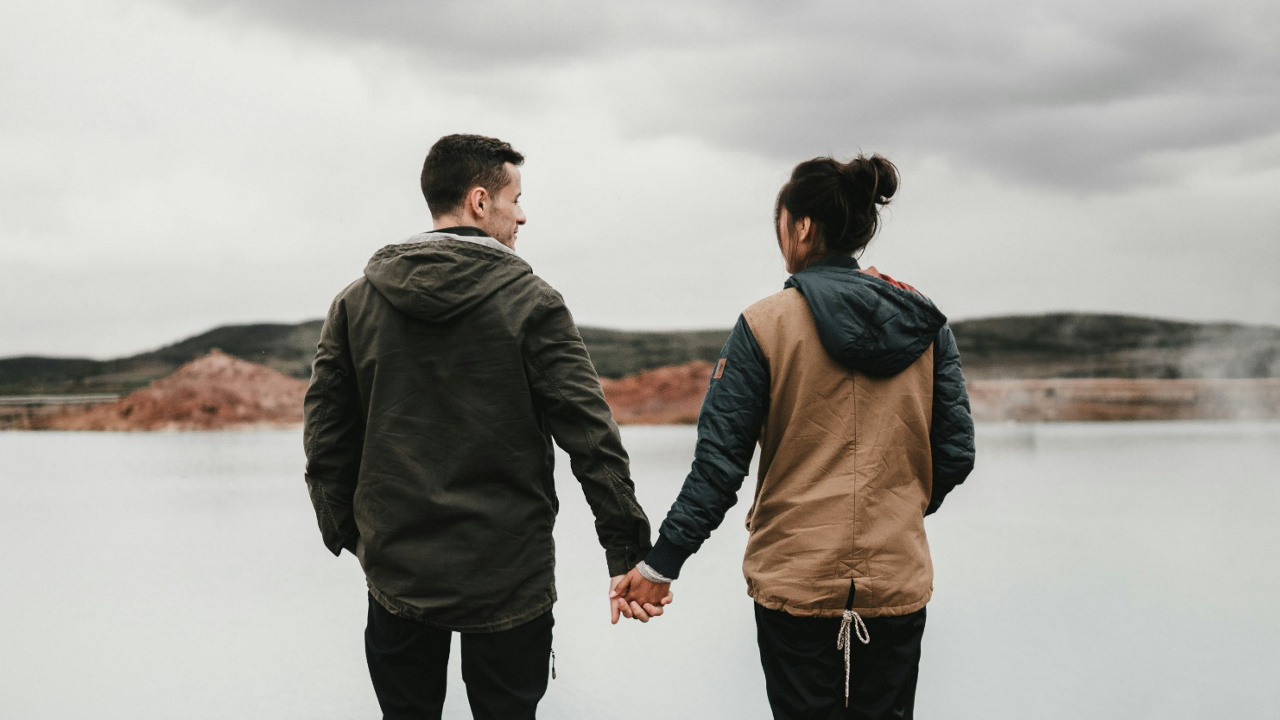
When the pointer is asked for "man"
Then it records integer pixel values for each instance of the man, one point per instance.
(441, 377)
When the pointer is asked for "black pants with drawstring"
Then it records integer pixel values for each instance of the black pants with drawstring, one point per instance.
(804, 671)
(505, 672)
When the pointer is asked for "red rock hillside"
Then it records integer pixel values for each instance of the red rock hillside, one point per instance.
(213, 392)
(218, 391)
(663, 396)
(673, 395)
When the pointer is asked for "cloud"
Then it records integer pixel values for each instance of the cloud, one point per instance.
(171, 165)
(1070, 96)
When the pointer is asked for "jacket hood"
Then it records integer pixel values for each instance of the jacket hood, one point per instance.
(437, 277)
(867, 321)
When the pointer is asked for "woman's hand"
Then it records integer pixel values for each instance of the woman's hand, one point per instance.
(635, 597)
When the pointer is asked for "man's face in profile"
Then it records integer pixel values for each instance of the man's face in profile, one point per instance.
(504, 216)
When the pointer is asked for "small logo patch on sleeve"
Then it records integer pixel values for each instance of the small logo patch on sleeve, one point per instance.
(719, 368)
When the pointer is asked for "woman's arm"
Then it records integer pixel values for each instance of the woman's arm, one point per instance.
(951, 433)
(728, 429)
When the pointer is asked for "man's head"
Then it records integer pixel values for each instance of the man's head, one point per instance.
(474, 180)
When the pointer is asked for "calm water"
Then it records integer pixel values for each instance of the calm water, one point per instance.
(1085, 571)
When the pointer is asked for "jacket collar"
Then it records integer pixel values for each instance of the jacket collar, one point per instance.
(841, 261)
(466, 233)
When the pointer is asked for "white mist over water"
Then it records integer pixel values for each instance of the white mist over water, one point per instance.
(1085, 570)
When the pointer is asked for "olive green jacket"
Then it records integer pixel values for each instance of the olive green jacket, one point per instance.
(441, 378)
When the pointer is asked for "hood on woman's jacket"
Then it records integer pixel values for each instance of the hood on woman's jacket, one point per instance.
(867, 321)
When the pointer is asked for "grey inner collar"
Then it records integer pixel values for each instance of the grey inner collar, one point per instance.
(486, 241)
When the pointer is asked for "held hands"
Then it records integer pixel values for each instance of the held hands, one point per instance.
(632, 596)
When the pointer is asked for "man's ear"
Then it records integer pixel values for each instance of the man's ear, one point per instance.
(477, 201)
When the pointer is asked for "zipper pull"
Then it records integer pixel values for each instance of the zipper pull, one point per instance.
(553, 664)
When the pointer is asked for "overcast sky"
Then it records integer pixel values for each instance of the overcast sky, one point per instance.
(167, 166)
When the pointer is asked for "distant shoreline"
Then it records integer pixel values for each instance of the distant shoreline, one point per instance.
(1064, 345)
(1061, 367)
(673, 395)
(1113, 399)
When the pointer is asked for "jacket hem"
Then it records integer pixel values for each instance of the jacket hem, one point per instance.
(505, 622)
(837, 610)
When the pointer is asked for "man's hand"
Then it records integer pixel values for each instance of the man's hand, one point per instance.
(617, 606)
(635, 597)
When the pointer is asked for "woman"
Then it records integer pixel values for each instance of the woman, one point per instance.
(850, 382)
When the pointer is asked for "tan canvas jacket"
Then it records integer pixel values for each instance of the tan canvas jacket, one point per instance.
(850, 384)
(844, 479)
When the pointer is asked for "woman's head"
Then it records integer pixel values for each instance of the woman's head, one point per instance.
(832, 208)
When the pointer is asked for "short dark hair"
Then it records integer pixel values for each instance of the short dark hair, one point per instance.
(457, 163)
(842, 200)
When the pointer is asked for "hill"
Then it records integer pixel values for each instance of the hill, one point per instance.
(1115, 346)
(212, 392)
(290, 348)
(218, 392)
(662, 396)
(1065, 345)
(282, 347)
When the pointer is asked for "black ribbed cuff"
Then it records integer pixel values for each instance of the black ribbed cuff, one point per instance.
(666, 557)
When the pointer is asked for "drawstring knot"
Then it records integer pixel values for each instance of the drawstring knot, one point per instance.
(851, 624)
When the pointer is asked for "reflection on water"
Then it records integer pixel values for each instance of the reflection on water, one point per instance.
(1100, 571)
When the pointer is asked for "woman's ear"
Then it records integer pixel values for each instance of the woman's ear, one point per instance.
(804, 230)
(806, 241)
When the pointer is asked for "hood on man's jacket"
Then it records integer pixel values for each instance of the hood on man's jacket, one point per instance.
(442, 276)
(866, 322)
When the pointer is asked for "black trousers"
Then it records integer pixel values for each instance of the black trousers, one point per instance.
(804, 671)
(505, 672)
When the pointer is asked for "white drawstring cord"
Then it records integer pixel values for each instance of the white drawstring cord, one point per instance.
(852, 622)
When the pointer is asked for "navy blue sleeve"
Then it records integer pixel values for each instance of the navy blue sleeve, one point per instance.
(728, 430)
(951, 433)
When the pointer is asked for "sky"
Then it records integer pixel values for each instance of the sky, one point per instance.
(168, 166)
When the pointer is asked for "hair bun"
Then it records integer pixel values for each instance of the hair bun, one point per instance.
(874, 176)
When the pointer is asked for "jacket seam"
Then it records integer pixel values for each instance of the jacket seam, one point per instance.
(324, 413)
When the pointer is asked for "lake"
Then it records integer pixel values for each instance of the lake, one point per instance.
(1084, 571)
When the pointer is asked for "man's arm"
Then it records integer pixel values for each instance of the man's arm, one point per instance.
(951, 433)
(567, 391)
(333, 434)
